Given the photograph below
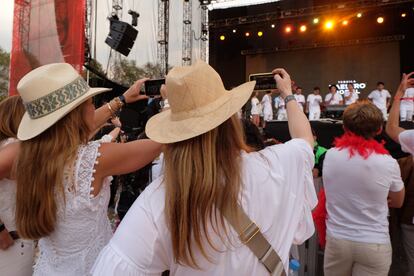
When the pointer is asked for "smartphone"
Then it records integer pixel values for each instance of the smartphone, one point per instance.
(153, 87)
(264, 81)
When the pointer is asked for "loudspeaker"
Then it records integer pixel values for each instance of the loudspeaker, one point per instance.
(121, 37)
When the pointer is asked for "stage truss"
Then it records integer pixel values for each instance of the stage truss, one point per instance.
(163, 30)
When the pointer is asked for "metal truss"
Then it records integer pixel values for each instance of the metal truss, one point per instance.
(163, 31)
(187, 43)
(204, 33)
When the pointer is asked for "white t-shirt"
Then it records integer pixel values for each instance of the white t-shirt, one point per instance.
(278, 194)
(279, 103)
(267, 104)
(314, 102)
(379, 98)
(406, 139)
(300, 99)
(255, 106)
(408, 102)
(337, 98)
(353, 98)
(356, 195)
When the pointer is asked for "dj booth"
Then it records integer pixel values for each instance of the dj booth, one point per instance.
(326, 130)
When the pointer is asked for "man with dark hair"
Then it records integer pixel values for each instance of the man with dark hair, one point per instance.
(381, 98)
(313, 105)
(300, 99)
(333, 98)
(350, 95)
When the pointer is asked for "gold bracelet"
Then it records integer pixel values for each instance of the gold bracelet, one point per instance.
(118, 102)
(113, 115)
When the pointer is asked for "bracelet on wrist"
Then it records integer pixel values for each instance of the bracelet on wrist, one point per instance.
(289, 98)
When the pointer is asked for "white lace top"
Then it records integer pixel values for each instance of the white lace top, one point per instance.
(82, 228)
(7, 197)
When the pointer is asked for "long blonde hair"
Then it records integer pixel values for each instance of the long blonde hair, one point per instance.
(11, 113)
(42, 161)
(203, 180)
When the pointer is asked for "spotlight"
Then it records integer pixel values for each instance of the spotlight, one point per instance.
(315, 20)
(403, 14)
(273, 26)
(359, 15)
(247, 34)
(288, 29)
(303, 28)
(234, 31)
(380, 20)
(329, 25)
(345, 23)
(222, 37)
(259, 33)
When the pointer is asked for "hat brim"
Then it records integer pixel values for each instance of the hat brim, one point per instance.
(30, 128)
(162, 129)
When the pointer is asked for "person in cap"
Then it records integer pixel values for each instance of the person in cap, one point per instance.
(62, 178)
(184, 221)
(16, 254)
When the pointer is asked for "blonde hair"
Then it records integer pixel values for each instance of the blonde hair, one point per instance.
(42, 161)
(363, 118)
(203, 180)
(11, 113)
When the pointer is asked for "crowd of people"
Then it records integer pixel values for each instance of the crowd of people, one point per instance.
(314, 102)
(223, 204)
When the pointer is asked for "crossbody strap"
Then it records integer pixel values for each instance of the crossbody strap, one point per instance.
(250, 235)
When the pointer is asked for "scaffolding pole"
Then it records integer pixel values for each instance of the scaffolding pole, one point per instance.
(163, 31)
(187, 43)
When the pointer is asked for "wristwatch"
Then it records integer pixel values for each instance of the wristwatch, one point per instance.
(122, 99)
(289, 98)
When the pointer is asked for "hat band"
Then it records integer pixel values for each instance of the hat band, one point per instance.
(200, 111)
(57, 99)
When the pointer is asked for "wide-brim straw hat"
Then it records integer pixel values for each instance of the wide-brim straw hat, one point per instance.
(198, 103)
(49, 93)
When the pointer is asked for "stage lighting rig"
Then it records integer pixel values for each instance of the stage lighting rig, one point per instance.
(135, 16)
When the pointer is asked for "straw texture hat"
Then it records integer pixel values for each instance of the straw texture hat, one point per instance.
(49, 93)
(199, 103)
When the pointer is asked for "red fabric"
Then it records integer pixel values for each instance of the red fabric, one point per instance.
(46, 31)
(355, 145)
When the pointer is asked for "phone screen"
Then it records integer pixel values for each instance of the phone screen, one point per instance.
(152, 87)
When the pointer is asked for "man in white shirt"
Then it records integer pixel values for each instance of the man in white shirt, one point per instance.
(267, 106)
(281, 110)
(313, 106)
(333, 98)
(351, 95)
(407, 105)
(300, 99)
(381, 98)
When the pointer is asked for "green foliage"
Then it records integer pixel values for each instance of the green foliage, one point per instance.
(4, 72)
(128, 72)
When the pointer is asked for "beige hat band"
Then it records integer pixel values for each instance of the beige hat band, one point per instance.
(57, 99)
(200, 111)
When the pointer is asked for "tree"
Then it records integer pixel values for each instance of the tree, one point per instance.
(128, 72)
(4, 72)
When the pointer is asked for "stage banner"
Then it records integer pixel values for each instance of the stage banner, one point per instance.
(46, 31)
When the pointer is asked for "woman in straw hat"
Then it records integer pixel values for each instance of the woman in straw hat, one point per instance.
(62, 179)
(183, 222)
(16, 254)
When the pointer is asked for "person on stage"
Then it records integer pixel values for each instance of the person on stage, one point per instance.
(333, 98)
(16, 254)
(255, 109)
(313, 106)
(62, 178)
(180, 222)
(281, 109)
(300, 98)
(267, 107)
(381, 98)
(350, 95)
(407, 105)
(361, 182)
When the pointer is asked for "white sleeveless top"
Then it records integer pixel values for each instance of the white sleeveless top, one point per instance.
(82, 227)
(8, 197)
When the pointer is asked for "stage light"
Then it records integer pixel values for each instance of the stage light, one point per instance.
(259, 33)
(345, 23)
(329, 25)
(273, 26)
(403, 14)
(288, 29)
(380, 20)
(303, 28)
(234, 31)
(315, 20)
(247, 34)
(222, 37)
(359, 15)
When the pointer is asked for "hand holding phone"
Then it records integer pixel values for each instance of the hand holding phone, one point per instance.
(153, 87)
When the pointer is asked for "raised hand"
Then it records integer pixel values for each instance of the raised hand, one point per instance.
(283, 82)
(133, 93)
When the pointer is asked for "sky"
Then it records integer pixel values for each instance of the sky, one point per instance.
(6, 24)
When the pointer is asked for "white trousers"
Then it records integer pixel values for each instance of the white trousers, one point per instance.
(17, 260)
(406, 113)
(314, 115)
(384, 113)
(282, 115)
(267, 117)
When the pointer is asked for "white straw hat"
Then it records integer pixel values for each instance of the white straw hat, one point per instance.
(199, 103)
(49, 93)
